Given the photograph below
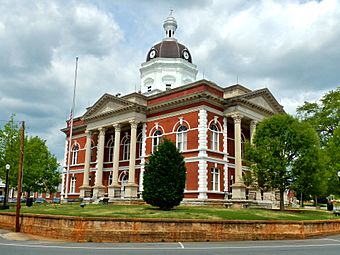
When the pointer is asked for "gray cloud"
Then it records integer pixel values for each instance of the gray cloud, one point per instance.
(290, 46)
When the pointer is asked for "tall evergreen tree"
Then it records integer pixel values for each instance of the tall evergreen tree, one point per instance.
(164, 177)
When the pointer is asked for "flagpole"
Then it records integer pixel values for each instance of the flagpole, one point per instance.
(71, 131)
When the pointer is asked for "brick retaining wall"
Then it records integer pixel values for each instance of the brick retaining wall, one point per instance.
(81, 229)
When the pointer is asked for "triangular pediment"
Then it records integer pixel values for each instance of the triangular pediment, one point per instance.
(261, 101)
(264, 99)
(105, 105)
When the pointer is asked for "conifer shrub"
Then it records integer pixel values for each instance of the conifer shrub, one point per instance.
(164, 177)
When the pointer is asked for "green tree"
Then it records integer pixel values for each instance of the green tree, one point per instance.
(284, 153)
(10, 150)
(164, 177)
(324, 115)
(40, 167)
(333, 153)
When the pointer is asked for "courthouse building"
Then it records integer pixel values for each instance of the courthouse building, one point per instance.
(209, 123)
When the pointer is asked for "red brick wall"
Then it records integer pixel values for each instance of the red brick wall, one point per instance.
(170, 124)
(192, 176)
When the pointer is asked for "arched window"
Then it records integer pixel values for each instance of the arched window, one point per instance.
(139, 145)
(75, 152)
(126, 148)
(73, 184)
(110, 147)
(181, 139)
(156, 140)
(214, 135)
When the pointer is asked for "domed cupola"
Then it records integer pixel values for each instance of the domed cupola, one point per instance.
(168, 63)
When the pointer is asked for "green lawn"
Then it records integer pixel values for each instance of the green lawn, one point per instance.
(181, 212)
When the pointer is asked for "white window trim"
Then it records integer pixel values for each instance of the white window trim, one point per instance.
(139, 145)
(214, 138)
(156, 138)
(109, 179)
(181, 138)
(126, 148)
(75, 154)
(73, 185)
(215, 174)
(110, 146)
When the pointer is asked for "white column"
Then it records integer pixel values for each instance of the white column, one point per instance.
(115, 169)
(131, 187)
(142, 160)
(85, 187)
(63, 178)
(114, 188)
(238, 191)
(252, 133)
(225, 155)
(98, 189)
(202, 148)
(252, 130)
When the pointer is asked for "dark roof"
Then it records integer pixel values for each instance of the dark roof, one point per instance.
(169, 49)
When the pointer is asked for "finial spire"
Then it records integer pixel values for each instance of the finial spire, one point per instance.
(170, 26)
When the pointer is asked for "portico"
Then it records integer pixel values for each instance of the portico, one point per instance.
(114, 189)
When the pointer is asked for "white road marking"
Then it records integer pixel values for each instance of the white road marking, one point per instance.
(329, 239)
(182, 246)
(168, 248)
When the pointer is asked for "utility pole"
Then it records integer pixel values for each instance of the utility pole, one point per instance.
(17, 214)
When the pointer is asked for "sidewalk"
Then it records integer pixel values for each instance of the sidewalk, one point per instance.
(17, 236)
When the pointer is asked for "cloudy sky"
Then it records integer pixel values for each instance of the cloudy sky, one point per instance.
(291, 47)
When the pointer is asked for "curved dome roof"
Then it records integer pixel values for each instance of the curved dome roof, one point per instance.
(169, 49)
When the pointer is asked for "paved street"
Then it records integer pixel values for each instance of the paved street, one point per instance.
(11, 243)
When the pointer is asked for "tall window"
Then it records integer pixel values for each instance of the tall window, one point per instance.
(139, 145)
(110, 146)
(75, 152)
(126, 148)
(73, 184)
(93, 152)
(156, 140)
(243, 140)
(181, 140)
(214, 137)
(215, 179)
(109, 179)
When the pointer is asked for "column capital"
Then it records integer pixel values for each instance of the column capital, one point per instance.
(253, 123)
(101, 130)
(237, 118)
(88, 132)
(117, 127)
(133, 123)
